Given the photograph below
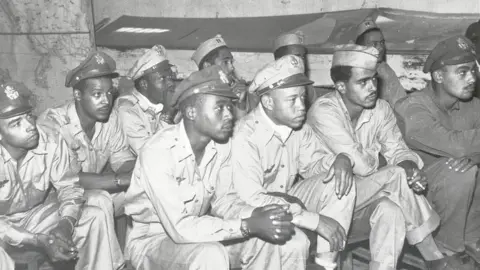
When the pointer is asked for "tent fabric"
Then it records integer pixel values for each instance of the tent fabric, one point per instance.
(406, 32)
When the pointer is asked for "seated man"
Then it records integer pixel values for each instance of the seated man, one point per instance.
(182, 172)
(271, 146)
(95, 136)
(389, 86)
(216, 52)
(473, 33)
(442, 124)
(293, 44)
(142, 111)
(32, 161)
(352, 120)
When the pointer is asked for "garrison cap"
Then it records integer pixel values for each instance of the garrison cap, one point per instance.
(353, 55)
(366, 25)
(211, 80)
(206, 47)
(287, 71)
(13, 101)
(452, 51)
(153, 60)
(287, 39)
(97, 64)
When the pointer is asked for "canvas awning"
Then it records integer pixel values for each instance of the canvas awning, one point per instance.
(406, 32)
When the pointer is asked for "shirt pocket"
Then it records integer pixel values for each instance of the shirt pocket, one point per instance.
(6, 194)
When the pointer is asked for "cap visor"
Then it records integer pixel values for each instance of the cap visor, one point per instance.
(101, 74)
(296, 80)
(223, 93)
(16, 112)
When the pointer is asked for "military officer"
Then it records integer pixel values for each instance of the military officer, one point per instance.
(182, 172)
(33, 160)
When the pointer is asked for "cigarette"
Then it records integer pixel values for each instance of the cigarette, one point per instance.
(420, 185)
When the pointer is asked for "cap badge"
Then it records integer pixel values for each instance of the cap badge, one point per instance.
(462, 44)
(223, 77)
(99, 59)
(294, 62)
(367, 24)
(11, 93)
(159, 50)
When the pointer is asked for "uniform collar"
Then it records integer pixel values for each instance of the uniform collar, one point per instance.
(182, 143)
(145, 104)
(429, 91)
(363, 118)
(74, 122)
(268, 128)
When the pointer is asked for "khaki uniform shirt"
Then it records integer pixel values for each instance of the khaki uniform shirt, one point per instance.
(25, 186)
(140, 119)
(376, 132)
(170, 194)
(267, 158)
(108, 144)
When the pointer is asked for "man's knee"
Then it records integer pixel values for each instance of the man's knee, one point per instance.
(94, 215)
(441, 176)
(99, 198)
(388, 212)
(298, 246)
(210, 256)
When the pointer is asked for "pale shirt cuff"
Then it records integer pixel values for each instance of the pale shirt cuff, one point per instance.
(120, 158)
(412, 158)
(233, 228)
(246, 212)
(307, 220)
(70, 210)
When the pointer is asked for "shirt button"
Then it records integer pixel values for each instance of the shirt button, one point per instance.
(283, 166)
(281, 186)
(283, 145)
(196, 200)
(231, 230)
(256, 122)
(212, 188)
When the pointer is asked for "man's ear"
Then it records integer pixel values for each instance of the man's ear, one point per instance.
(143, 85)
(206, 64)
(77, 94)
(267, 102)
(437, 76)
(190, 113)
(341, 87)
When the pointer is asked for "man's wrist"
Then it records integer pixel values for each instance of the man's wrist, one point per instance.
(244, 229)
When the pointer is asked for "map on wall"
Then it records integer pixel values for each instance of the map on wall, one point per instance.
(406, 32)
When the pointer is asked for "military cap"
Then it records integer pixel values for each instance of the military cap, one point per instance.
(366, 25)
(211, 80)
(296, 38)
(452, 51)
(96, 64)
(287, 71)
(353, 55)
(207, 47)
(154, 59)
(12, 102)
(473, 31)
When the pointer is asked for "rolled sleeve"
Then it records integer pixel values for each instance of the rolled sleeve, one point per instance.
(135, 130)
(327, 123)
(64, 177)
(226, 203)
(165, 194)
(394, 148)
(120, 151)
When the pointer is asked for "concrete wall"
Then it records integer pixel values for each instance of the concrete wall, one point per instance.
(408, 68)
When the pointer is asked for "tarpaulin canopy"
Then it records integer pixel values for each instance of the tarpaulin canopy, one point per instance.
(406, 32)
